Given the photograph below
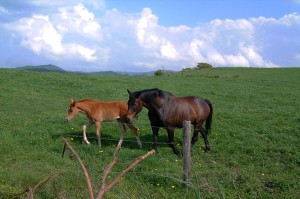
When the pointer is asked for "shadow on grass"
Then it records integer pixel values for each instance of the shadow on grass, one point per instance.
(108, 140)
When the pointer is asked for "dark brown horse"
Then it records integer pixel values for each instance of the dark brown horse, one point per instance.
(168, 111)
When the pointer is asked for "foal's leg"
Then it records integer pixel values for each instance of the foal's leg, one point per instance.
(171, 141)
(84, 127)
(98, 125)
(136, 133)
(123, 131)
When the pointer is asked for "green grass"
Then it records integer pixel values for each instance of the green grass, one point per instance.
(255, 135)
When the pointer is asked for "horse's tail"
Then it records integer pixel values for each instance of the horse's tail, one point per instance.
(209, 119)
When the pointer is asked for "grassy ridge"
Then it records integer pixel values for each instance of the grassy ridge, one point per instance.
(42, 68)
(255, 137)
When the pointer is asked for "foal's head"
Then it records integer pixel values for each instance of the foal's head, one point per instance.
(73, 110)
(135, 105)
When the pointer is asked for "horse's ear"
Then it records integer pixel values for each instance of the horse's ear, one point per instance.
(129, 92)
(73, 102)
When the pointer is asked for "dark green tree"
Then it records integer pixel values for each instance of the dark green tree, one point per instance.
(158, 73)
(203, 66)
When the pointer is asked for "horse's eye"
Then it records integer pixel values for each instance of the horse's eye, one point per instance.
(134, 104)
(70, 110)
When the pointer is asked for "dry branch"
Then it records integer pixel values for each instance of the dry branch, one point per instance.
(32, 190)
(90, 189)
(103, 188)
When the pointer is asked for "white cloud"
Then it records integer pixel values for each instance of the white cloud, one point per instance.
(38, 34)
(232, 25)
(154, 38)
(78, 19)
(236, 60)
(167, 50)
(253, 57)
(220, 42)
(76, 34)
(87, 53)
(145, 28)
(290, 19)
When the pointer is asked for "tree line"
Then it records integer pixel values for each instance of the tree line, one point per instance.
(199, 66)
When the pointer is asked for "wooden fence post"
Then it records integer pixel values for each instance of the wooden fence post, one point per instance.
(187, 152)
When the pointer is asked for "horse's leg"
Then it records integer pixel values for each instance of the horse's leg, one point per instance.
(123, 131)
(155, 137)
(204, 135)
(84, 127)
(171, 141)
(98, 125)
(195, 135)
(136, 133)
(197, 128)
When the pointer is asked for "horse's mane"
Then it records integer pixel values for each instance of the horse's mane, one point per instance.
(152, 93)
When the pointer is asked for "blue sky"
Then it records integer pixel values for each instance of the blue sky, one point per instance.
(145, 35)
(194, 12)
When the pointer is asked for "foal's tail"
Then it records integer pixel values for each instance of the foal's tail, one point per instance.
(209, 119)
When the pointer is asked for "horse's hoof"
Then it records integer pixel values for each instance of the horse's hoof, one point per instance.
(178, 153)
(87, 142)
(140, 145)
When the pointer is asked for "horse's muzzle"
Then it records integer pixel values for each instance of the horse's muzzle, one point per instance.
(128, 120)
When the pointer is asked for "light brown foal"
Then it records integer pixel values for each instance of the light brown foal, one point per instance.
(99, 111)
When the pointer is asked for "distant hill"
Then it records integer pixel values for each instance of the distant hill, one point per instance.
(112, 73)
(53, 68)
(43, 68)
(150, 73)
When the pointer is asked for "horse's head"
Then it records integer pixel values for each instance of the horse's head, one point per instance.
(135, 106)
(73, 110)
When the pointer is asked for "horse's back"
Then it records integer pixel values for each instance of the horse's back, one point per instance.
(104, 104)
(195, 108)
(116, 107)
(106, 110)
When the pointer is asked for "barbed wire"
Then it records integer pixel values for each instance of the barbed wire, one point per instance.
(112, 139)
(124, 140)
(172, 157)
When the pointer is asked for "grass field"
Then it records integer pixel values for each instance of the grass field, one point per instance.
(255, 135)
